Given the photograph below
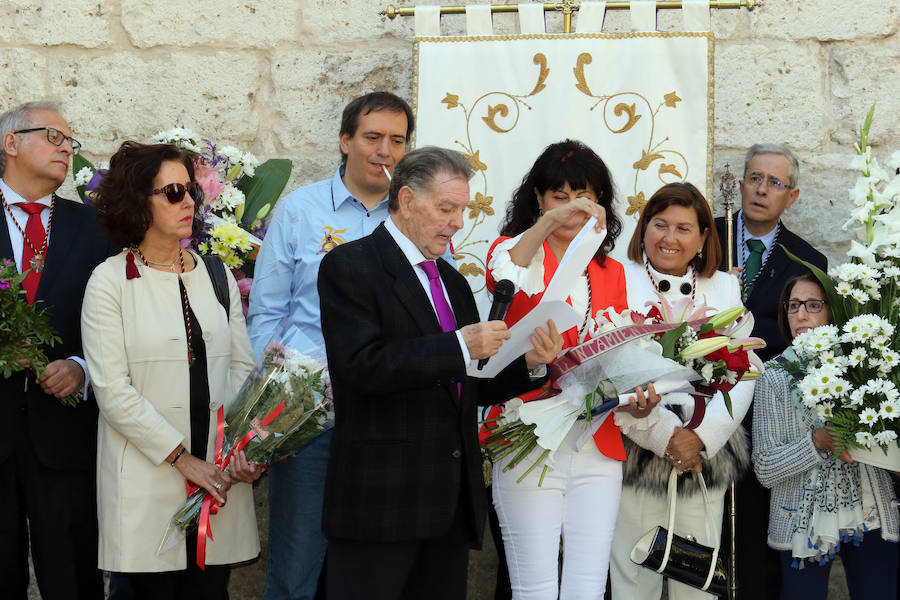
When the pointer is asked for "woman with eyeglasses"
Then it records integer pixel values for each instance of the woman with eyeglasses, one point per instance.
(822, 503)
(163, 354)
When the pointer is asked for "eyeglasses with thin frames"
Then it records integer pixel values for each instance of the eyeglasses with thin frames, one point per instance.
(174, 192)
(812, 305)
(756, 180)
(55, 137)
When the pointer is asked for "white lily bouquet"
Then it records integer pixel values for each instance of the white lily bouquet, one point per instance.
(848, 372)
(678, 347)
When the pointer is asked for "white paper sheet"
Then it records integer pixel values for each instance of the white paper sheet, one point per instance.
(552, 305)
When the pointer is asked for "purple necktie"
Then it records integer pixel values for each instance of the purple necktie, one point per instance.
(441, 307)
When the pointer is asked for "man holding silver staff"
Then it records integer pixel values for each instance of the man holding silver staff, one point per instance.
(758, 242)
(306, 225)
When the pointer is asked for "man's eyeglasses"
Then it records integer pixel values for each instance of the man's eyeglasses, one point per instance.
(811, 305)
(174, 192)
(756, 180)
(55, 137)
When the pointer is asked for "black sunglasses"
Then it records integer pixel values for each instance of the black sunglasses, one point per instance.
(174, 192)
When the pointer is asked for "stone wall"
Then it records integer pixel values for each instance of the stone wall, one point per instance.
(272, 76)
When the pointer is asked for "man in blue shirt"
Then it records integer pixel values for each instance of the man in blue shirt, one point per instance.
(306, 224)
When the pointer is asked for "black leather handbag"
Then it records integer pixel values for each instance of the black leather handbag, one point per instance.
(682, 558)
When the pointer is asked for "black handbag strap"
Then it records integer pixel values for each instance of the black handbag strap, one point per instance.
(216, 269)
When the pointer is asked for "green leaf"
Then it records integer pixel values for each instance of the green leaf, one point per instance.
(78, 163)
(668, 339)
(727, 398)
(835, 300)
(265, 186)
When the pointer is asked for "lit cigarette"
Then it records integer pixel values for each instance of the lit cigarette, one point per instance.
(386, 172)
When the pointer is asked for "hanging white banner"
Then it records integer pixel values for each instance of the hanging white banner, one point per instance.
(642, 101)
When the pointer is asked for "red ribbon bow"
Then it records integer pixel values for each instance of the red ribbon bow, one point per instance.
(209, 507)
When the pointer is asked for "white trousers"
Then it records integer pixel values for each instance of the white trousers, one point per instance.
(641, 512)
(578, 502)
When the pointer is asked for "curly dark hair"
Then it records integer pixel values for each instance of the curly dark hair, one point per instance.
(122, 199)
(688, 196)
(572, 162)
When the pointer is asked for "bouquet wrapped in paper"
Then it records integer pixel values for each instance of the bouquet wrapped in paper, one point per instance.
(677, 347)
(284, 404)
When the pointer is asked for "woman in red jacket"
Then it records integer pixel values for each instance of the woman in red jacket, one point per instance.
(578, 498)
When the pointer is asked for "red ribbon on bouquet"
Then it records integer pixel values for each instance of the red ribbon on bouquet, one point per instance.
(209, 507)
(601, 344)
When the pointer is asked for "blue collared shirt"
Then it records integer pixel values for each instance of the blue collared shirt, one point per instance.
(306, 224)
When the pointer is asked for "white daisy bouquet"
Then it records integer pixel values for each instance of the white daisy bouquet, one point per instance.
(848, 372)
(239, 193)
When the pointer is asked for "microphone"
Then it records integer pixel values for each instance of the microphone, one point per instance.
(503, 295)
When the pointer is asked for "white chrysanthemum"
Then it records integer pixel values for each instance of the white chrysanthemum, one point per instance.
(229, 199)
(249, 162)
(857, 356)
(706, 372)
(844, 289)
(860, 296)
(231, 154)
(824, 411)
(879, 342)
(889, 409)
(892, 272)
(83, 176)
(889, 358)
(890, 391)
(883, 438)
(837, 362)
(865, 439)
(184, 139)
(856, 397)
(810, 392)
(868, 416)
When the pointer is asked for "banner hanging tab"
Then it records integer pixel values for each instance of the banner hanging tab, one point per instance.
(695, 14)
(478, 20)
(643, 15)
(590, 17)
(428, 21)
(531, 18)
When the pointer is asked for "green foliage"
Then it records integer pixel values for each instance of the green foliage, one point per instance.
(24, 330)
(78, 163)
(265, 187)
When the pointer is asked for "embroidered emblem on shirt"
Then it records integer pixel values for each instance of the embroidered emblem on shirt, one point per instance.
(331, 240)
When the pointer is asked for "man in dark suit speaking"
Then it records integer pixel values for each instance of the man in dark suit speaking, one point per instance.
(404, 497)
(47, 450)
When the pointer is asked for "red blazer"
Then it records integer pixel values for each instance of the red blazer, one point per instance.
(607, 289)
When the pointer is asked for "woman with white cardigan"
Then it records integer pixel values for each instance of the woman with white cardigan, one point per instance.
(675, 252)
(163, 355)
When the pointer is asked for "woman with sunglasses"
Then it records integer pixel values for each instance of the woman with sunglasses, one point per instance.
(163, 355)
(822, 503)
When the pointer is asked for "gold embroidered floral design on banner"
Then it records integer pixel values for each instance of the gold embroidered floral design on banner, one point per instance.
(500, 112)
(627, 109)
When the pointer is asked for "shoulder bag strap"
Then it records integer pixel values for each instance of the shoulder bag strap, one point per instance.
(216, 269)
(670, 531)
(710, 532)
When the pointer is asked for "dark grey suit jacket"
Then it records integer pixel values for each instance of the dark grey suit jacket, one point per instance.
(405, 451)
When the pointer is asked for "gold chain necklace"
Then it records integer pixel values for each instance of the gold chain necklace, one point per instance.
(40, 256)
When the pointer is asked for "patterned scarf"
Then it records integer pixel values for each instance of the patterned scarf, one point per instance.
(831, 511)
